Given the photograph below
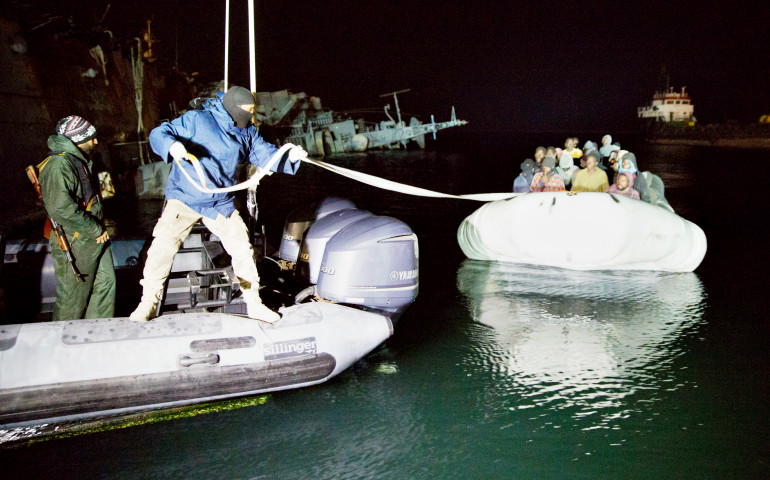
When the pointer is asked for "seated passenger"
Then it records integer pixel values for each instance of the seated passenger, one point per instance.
(641, 185)
(592, 147)
(524, 180)
(590, 179)
(625, 166)
(566, 168)
(547, 180)
(623, 187)
(570, 147)
(608, 147)
(540, 154)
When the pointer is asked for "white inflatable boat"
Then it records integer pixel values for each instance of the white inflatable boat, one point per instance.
(585, 231)
(59, 371)
(364, 278)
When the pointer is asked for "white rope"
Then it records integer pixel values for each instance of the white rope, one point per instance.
(358, 176)
(254, 180)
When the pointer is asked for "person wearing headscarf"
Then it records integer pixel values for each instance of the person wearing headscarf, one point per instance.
(627, 167)
(623, 187)
(524, 180)
(607, 146)
(640, 185)
(547, 180)
(566, 168)
(591, 179)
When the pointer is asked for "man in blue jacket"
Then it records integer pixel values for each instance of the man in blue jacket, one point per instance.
(221, 136)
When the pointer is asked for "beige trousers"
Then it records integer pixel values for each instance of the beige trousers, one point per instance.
(173, 227)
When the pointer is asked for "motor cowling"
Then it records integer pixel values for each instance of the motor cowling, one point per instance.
(314, 242)
(300, 219)
(372, 262)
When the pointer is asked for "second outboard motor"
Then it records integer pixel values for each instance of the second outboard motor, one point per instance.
(300, 220)
(373, 262)
(312, 248)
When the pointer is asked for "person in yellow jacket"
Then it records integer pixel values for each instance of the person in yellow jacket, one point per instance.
(591, 178)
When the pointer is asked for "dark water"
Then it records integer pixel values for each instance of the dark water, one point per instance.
(498, 370)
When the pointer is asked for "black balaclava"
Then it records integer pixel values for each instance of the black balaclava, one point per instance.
(234, 97)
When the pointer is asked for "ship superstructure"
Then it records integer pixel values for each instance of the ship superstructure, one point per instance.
(669, 106)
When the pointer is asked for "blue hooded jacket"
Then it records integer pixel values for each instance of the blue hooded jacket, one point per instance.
(212, 137)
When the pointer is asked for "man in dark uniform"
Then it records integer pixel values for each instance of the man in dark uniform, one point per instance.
(71, 197)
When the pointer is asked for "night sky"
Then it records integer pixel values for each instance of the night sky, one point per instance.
(505, 66)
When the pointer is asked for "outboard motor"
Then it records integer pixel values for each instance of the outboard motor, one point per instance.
(300, 220)
(313, 244)
(373, 262)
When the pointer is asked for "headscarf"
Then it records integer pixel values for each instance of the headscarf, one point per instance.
(607, 149)
(622, 169)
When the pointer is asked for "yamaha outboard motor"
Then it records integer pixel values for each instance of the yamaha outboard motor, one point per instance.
(300, 220)
(312, 248)
(373, 262)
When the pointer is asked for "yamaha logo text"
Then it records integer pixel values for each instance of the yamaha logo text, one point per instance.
(403, 275)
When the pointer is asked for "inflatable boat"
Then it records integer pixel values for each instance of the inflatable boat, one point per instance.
(584, 231)
(200, 349)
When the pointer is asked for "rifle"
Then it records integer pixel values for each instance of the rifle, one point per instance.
(55, 227)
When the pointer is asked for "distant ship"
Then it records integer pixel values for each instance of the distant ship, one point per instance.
(668, 107)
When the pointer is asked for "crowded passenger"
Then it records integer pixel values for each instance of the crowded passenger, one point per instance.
(540, 153)
(581, 166)
(641, 185)
(570, 147)
(566, 168)
(625, 166)
(623, 187)
(592, 147)
(547, 180)
(524, 180)
(591, 178)
(608, 147)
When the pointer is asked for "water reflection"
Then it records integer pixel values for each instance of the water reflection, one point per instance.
(586, 340)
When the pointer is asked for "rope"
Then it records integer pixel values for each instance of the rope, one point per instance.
(358, 176)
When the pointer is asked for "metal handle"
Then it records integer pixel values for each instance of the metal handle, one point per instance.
(210, 359)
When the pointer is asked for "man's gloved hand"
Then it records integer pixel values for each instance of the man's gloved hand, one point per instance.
(177, 151)
(297, 153)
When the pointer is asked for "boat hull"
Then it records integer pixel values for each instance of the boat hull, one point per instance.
(587, 231)
(62, 371)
